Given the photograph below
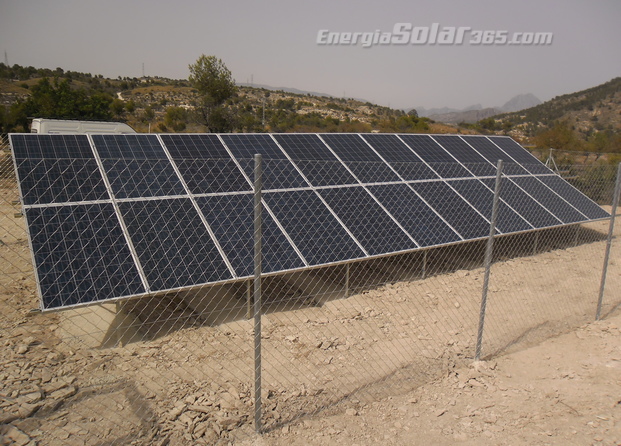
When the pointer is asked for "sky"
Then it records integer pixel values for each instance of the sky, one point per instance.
(274, 42)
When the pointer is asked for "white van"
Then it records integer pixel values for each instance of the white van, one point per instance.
(63, 127)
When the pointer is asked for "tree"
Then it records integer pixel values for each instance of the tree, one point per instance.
(176, 118)
(561, 137)
(215, 85)
(117, 107)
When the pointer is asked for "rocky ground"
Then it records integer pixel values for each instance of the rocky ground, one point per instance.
(565, 391)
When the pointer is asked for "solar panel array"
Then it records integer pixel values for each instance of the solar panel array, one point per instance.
(113, 216)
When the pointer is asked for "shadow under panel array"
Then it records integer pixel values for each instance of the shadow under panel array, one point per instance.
(117, 216)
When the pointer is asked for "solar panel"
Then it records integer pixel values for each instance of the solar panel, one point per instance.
(172, 244)
(137, 166)
(435, 156)
(564, 211)
(525, 205)
(492, 153)
(115, 216)
(482, 198)
(232, 220)
(279, 173)
(57, 169)
(315, 230)
(360, 158)
(454, 209)
(424, 224)
(400, 157)
(376, 230)
(521, 156)
(466, 155)
(204, 164)
(578, 200)
(81, 255)
(320, 166)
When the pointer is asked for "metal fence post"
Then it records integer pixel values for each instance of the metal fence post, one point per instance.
(615, 204)
(258, 180)
(488, 261)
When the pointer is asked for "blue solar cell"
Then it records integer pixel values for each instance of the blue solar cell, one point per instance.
(81, 255)
(278, 172)
(360, 158)
(231, 217)
(435, 156)
(172, 243)
(315, 231)
(315, 160)
(400, 157)
(376, 231)
(454, 209)
(482, 199)
(520, 154)
(414, 215)
(466, 155)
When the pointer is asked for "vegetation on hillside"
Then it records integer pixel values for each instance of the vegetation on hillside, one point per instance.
(585, 121)
(201, 103)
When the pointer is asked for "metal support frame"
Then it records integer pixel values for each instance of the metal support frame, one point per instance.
(577, 236)
(249, 309)
(258, 185)
(489, 252)
(611, 227)
(347, 280)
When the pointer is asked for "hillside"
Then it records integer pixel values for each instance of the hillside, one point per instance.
(596, 109)
(165, 105)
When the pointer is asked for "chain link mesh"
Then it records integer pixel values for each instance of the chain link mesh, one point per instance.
(178, 367)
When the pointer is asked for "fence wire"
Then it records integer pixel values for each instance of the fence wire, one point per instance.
(178, 367)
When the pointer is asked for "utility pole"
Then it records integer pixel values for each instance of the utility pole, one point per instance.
(263, 120)
(6, 59)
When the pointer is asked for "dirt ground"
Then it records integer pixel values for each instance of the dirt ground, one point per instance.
(565, 391)
(390, 364)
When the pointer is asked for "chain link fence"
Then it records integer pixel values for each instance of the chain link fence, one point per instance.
(181, 367)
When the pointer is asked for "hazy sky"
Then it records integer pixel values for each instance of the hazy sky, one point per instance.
(274, 43)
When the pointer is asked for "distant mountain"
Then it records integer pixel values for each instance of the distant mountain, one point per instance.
(520, 102)
(476, 112)
(468, 116)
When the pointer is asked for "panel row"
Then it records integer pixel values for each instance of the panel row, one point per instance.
(140, 166)
(140, 217)
(82, 253)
